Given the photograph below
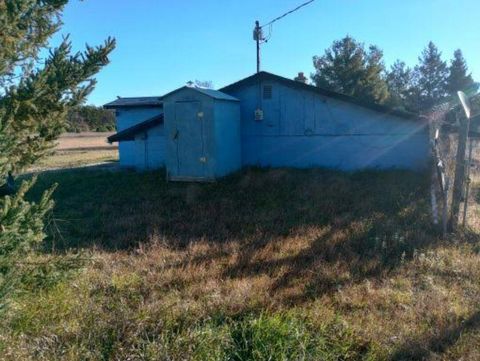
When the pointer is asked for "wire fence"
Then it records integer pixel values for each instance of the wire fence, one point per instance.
(453, 174)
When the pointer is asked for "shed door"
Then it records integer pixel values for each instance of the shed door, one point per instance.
(189, 138)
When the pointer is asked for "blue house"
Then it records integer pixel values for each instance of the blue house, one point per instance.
(264, 120)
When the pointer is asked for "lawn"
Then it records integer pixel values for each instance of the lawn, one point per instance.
(274, 264)
(79, 149)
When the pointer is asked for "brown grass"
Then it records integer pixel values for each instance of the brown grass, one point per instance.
(85, 140)
(353, 256)
(79, 149)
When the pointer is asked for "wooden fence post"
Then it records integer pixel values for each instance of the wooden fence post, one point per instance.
(443, 182)
(467, 183)
(445, 209)
(459, 179)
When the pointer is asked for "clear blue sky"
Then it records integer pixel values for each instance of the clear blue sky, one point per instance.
(161, 44)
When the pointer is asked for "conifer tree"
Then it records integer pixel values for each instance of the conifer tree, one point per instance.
(459, 78)
(35, 96)
(432, 73)
(348, 68)
(400, 80)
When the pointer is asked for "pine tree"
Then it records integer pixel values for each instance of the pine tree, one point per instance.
(34, 99)
(401, 85)
(432, 73)
(459, 78)
(346, 67)
(373, 81)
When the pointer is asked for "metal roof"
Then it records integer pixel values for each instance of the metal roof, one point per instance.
(215, 94)
(134, 102)
(129, 133)
(263, 75)
(158, 100)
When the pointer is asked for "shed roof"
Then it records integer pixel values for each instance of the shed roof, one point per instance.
(129, 133)
(263, 75)
(215, 94)
(134, 102)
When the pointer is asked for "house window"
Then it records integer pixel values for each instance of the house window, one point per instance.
(267, 92)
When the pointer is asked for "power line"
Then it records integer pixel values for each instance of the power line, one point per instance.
(257, 31)
(288, 13)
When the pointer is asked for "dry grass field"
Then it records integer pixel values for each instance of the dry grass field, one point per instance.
(272, 264)
(85, 140)
(264, 265)
(79, 149)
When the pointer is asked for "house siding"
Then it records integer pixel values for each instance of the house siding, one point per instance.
(149, 148)
(228, 139)
(127, 117)
(304, 129)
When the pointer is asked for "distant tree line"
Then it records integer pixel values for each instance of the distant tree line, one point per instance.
(89, 118)
(351, 68)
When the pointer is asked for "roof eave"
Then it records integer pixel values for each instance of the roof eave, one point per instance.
(129, 133)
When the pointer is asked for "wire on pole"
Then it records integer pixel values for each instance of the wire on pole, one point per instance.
(258, 34)
(288, 13)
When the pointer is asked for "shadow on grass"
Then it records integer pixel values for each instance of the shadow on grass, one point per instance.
(423, 347)
(363, 223)
(351, 250)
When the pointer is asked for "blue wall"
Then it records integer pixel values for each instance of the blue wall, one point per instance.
(227, 137)
(127, 117)
(149, 148)
(300, 129)
(304, 129)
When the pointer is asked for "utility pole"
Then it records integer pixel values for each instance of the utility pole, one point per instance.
(257, 36)
(257, 31)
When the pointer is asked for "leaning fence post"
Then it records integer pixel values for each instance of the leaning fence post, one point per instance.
(467, 186)
(445, 208)
(459, 178)
(443, 182)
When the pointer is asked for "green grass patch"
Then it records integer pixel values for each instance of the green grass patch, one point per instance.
(75, 323)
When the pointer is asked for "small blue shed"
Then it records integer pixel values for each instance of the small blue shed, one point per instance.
(202, 128)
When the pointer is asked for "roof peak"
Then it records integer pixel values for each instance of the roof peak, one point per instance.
(212, 93)
(122, 102)
(322, 91)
